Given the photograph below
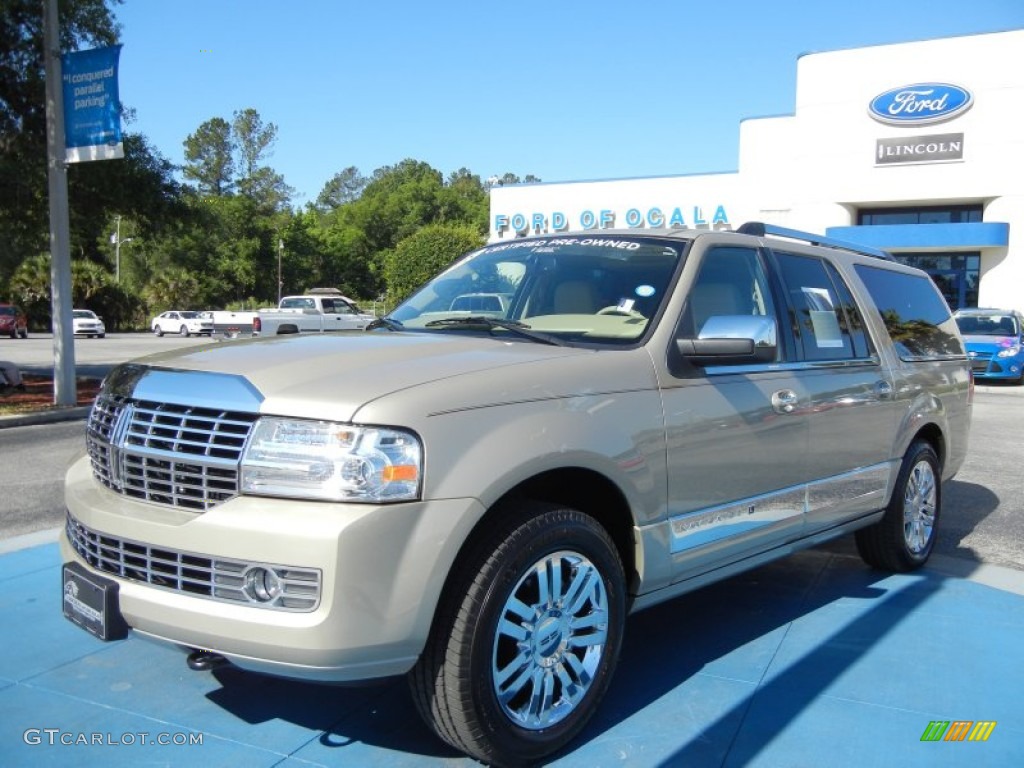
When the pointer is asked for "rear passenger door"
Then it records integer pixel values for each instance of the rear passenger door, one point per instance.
(849, 402)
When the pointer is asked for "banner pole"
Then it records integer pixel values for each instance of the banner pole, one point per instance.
(65, 391)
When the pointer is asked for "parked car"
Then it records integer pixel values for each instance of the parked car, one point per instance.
(184, 323)
(13, 321)
(478, 502)
(88, 323)
(321, 310)
(995, 342)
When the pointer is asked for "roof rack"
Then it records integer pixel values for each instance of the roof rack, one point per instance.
(760, 229)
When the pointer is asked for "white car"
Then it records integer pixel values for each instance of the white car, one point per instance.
(87, 323)
(184, 323)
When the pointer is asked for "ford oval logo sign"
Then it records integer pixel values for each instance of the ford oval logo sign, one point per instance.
(920, 104)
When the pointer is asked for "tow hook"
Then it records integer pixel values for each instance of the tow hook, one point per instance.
(204, 661)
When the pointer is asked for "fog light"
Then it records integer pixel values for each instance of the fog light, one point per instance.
(261, 585)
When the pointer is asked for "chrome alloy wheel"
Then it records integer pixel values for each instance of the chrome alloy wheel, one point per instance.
(919, 503)
(549, 640)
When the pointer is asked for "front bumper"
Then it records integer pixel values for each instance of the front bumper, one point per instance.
(382, 570)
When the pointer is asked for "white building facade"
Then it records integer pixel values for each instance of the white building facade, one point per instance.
(917, 148)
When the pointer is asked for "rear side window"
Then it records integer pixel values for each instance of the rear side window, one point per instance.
(914, 312)
(824, 319)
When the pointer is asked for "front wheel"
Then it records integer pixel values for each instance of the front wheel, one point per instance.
(158, 330)
(905, 536)
(23, 333)
(526, 638)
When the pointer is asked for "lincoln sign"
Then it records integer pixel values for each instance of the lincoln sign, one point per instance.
(940, 148)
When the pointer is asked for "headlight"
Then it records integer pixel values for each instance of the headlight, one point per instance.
(1009, 351)
(335, 462)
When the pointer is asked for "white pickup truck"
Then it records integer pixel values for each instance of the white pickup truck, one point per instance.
(317, 311)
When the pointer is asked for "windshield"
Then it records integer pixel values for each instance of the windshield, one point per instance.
(588, 289)
(988, 325)
(83, 314)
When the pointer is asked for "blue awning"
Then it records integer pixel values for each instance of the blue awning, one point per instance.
(905, 236)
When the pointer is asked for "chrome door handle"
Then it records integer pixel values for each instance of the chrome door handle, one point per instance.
(785, 400)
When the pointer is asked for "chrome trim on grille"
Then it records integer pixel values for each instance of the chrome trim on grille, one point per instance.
(176, 455)
(192, 574)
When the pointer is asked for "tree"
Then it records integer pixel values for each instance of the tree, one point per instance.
(140, 186)
(24, 214)
(174, 287)
(253, 141)
(420, 256)
(208, 158)
(344, 187)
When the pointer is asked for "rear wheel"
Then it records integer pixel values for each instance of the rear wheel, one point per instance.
(526, 639)
(905, 536)
(183, 331)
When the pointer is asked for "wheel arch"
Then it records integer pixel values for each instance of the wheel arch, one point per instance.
(582, 489)
(932, 434)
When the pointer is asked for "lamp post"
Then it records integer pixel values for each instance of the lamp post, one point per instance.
(116, 240)
(280, 253)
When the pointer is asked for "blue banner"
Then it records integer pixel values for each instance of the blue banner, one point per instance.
(92, 108)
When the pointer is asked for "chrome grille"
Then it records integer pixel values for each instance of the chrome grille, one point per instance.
(177, 455)
(199, 575)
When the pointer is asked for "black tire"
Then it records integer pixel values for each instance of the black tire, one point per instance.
(183, 332)
(456, 682)
(904, 538)
(23, 333)
(158, 330)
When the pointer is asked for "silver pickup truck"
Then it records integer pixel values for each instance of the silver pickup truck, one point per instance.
(478, 497)
(314, 312)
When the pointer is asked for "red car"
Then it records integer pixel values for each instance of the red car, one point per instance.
(13, 321)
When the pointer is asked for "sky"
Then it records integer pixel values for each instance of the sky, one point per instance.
(561, 89)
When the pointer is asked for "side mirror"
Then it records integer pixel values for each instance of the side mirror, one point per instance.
(732, 340)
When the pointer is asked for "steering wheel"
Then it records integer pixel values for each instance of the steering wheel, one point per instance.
(615, 309)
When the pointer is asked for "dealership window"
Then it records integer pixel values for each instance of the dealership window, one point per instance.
(956, 273)
(937, 214)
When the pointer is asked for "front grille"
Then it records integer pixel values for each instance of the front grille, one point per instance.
(177, 455)
(199, 575)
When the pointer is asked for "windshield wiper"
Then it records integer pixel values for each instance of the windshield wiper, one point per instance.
(489, 323)
(384, 322)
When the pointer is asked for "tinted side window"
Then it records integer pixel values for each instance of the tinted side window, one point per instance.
(816, 309)
(914, 313)
(862, 346)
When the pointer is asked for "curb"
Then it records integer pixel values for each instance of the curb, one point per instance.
(48, 416)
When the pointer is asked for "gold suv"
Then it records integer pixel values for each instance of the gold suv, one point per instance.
(479, 498)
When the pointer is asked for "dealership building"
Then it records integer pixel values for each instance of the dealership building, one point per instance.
(917, 148)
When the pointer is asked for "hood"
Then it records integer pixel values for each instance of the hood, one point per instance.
(330, 376)
(989, 344)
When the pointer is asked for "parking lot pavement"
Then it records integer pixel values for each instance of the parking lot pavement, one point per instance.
(813, 660)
